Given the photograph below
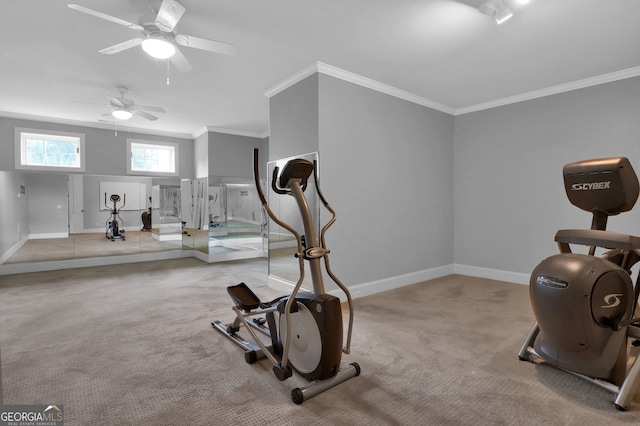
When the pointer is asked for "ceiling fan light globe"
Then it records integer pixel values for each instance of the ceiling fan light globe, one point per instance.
(122, 114)
(158, 48)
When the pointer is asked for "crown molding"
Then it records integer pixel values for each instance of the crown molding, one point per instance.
(215, 129)
(381, 87)
(291, 80)
(320, 67)
(553, 90)
(200, 132)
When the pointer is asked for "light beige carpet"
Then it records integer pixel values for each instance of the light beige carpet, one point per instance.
(132, 345)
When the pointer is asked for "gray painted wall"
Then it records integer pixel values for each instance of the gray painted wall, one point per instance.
(232, 155)
(106, 153)
(14, 217)
(201, 160)
(48, 203)
(509, 193)
(293, 120)
(386, 167)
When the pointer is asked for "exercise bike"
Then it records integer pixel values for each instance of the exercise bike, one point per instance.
(585, 305)
(114, 231)
(304, 330)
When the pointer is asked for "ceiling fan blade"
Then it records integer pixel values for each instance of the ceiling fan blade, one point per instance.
(169, 14)
(115, 101)
(205, 44)
(144, 114)
(105, 16)
(121, 46)
(107, 114)
(179, 60)
(150, 108)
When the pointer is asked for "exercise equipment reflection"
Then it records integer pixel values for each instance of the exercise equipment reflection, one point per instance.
(114, 229)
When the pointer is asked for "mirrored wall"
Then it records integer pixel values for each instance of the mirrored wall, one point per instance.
(72, 216)
(223, 218)
(236, 218)
(283, 265)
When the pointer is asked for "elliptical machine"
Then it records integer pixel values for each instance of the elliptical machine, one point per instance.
(585, 306)
(304, 330)
(114, 231)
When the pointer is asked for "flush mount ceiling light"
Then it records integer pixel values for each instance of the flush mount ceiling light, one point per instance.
(158, 47)
(496, 9)
(121, 114)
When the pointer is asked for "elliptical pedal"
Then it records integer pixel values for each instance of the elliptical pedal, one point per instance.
(243, 297)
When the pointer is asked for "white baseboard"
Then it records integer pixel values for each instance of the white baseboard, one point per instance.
(104, 229)
(373, 287)
(12, 250)
(493, 274)
(49, 235)
(283, 286)
(386, 284)
(166, 237)
(19, 268)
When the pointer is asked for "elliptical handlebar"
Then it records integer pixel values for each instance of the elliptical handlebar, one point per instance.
(256, 176)
(115, 198)
(263, 200)
(274, 186)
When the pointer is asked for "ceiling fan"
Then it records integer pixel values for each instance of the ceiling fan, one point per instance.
(123, 108)
(158, 36)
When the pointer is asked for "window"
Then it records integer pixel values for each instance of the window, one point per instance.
(152, 158)
(49, 150)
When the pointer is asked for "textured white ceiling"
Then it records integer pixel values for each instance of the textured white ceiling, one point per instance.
(442, 51)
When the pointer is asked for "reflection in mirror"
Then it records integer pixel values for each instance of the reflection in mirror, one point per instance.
(69, 215)
(236, 220)
(194, 207)
(283, 264)
(165, 220)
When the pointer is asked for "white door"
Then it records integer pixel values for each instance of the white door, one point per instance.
(76, 205)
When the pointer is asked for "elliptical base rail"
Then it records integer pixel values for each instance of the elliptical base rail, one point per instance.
(301, 394)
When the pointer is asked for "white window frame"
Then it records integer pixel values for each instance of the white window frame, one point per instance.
(20, 155)
(176, 157)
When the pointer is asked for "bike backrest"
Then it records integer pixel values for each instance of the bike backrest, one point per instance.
(606, 185)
